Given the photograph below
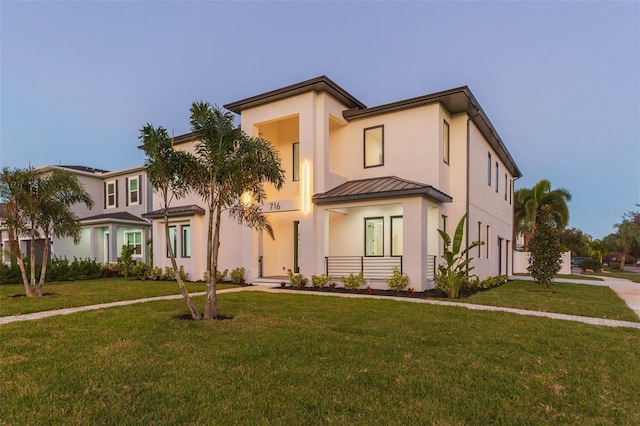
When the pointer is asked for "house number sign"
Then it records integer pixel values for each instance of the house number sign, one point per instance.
(281, 206)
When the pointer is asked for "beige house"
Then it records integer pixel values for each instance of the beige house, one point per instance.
(366, 188)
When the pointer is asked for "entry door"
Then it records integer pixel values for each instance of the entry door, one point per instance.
(296, 247)
(500, 255)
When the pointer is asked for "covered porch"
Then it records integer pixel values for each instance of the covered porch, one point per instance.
(376, 225)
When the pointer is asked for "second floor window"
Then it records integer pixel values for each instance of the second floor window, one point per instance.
(445, 142)
(374, 146)
(110, 195)
(296, 161)
(489, 169)
(134, 190)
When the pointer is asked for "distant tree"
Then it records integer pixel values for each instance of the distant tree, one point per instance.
(168, 171)
(545, 249)
(530, 202)
(626, 237)
(597, 250)
(231, 163)
(576, 241)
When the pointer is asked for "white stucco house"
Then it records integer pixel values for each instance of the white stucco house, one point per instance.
(366, 188)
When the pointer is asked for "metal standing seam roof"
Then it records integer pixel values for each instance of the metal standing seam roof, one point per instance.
(190, 210)
(376, 188)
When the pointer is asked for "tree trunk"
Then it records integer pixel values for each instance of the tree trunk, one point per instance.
(195, 314)
(623, 259)
(210, 301)
(45, 261)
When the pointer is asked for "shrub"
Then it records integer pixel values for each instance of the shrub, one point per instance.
(320, 281)
(237, 276)
(156, 273)
(142, 270)
(613, 265)
(398, 281)
(592, 264)
(296, 280)
(332, 286)
(220, 276)
(10, 274)
(353, 282)
(126, 257)
(545, 249)
(488, 283)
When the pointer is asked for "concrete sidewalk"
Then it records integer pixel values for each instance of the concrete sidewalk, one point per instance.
(587, 320)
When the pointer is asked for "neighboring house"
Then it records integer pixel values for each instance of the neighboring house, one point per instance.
(120, 198)
(366, 188)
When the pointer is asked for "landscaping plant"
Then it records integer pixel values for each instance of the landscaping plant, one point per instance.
(454, 273)
(545, 249)
(353, 281)
(237, 276)
(320, 281)
(398, 281)
(296, 280)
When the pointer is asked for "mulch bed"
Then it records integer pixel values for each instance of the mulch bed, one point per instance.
(376, 292)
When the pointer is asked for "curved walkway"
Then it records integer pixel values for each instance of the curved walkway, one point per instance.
(628, 291)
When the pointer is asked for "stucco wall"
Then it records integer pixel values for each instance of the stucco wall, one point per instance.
(521, 262)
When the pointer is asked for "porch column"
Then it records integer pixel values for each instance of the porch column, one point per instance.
(113, 243)
(415, 240)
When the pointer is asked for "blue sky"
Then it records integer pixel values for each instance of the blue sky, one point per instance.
(559, 80)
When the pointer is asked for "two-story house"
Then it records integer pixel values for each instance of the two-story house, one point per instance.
(120, 198)
(366, 188)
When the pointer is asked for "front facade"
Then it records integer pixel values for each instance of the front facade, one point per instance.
(366, 188)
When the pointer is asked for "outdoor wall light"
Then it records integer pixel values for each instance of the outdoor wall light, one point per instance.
(305, 187)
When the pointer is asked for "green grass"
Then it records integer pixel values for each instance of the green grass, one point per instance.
(566, 277)
(70, 294)
(301, 359)
(573, 299)
(633, 276)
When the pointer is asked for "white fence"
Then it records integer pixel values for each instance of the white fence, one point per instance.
(521, 262)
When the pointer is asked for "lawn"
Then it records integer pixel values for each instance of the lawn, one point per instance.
(633, 276)
(573, 299)
(566, 276)
(70, 294)
(297, 359)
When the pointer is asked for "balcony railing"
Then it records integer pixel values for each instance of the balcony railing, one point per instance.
(373, 268)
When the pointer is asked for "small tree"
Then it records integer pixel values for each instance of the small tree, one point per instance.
(126, 257)
(454, 273)
(545, 250)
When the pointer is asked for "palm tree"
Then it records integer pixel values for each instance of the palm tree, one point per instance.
(231, 163)
(597, 249)
(529, 204)
(39, 205)
(167, 171)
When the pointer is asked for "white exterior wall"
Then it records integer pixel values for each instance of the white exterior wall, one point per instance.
(521, 262)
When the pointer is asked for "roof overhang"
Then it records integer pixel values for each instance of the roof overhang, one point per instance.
(318, 84)
(179, 211)
(124, 218)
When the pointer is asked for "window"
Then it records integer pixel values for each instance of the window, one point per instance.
(510, 191)
(374, 146)
(134, 239)
(396, 235)
(444, 228)
(488, 239)
(296, 161)
(480, 239)
(445, 142)
(185, 243)
(374, 236)
(172, 240)
(497, 176)
(133, 189)
(110, 194)
(489, 169)
(506, 189)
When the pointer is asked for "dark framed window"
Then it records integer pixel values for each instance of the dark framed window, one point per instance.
(480, 239)
(396, 235)
(444, 228)
(445, 142)
(374, 236)
(296, 246)
(134, 239)
(185, 241)
(296, 161)
(374, 146)
(510, 191)
(487, 240)
(497, 174)
(172, 240)
(489, 169)
(111, 194)
(506, 188)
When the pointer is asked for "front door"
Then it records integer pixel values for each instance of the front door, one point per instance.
(296, 246)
